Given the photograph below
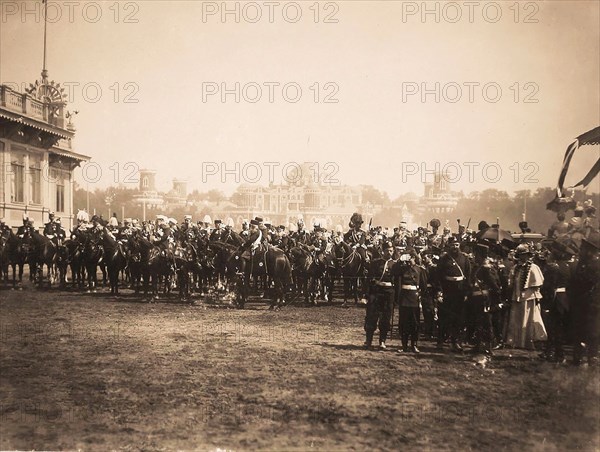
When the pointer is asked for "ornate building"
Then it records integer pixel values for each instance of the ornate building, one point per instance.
(438, 198)
(37, 154)
(306, 198)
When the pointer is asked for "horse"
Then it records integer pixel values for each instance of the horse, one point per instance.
(74, 249)
(267, 261)
(186, 264)
(43, 253)
(115, 259)
(4, 258)
(61, 264)
(351, 267)
(313, 275)
(92, 258)
(18, 250)
(154, 264)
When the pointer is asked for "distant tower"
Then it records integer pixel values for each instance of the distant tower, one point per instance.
(147, 180)
(180, 188)
(438, 198)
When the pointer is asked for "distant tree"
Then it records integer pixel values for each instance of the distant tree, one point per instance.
(216, 196)
(374, 196)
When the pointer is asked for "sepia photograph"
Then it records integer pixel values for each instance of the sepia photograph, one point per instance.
(299, 225)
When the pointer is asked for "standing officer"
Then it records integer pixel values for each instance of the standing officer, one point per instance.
(557, 276)
(453, 271)
(584, 294)
(485, 292)
(410, 283)
(380, 303)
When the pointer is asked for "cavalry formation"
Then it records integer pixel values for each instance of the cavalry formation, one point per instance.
(486, 287)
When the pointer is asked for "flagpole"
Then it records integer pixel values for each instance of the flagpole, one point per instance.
(44, 71)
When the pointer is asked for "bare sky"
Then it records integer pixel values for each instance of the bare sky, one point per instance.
(376, 53)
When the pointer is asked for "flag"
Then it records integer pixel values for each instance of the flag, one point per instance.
(588, 138)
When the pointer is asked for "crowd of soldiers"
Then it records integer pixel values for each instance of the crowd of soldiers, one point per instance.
(476, 288)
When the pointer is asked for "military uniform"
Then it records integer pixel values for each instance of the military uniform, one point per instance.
(484, 293)
(429, 302)
(584, 295)
(410, 283)
(218, 234)
(453, 271)
(557, 276)
(25, 229)
(357, 239)
(380, 302)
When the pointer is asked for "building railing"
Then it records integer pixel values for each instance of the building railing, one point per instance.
(24, 103)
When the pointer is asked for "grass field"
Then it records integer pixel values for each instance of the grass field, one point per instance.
(82, 371)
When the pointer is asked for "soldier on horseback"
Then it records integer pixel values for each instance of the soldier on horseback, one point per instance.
(301, 235)
(219, 233)
(357, 237)
(26, 228)
(318, 244)
(53, 230)
(4, 229)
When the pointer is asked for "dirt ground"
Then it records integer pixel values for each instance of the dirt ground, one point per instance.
(86, 371)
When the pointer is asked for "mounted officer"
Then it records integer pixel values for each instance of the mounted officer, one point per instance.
(113, 223)
(126, 231)
(218, 234)
(51, 230)
(301, 235)
(5, 230)
(357, 237)
(254, 240)
(245, 232)
(318, 244)
(26, 229)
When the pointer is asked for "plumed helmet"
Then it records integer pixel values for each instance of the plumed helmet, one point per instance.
(207, 219)
(435, 223)
(356, 220)
(82, 215)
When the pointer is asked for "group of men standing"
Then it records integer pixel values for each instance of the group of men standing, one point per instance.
(490, 294)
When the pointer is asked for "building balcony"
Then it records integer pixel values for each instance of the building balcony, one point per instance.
(25, 104)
